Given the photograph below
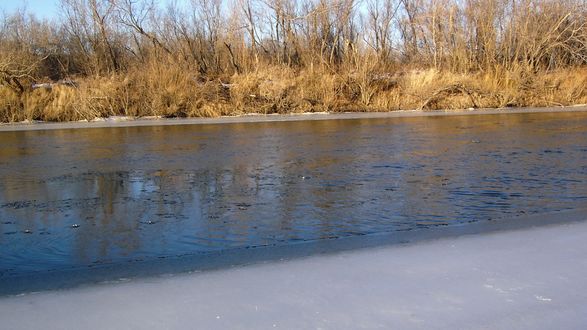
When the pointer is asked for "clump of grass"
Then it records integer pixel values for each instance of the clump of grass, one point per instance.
(11, 106)
(170, 91)
(59, 103)
(320, 91)
(267, 90)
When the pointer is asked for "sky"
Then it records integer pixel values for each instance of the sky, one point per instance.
(41, 8)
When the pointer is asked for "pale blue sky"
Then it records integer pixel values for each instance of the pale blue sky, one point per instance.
(49, 8)
(41, 8)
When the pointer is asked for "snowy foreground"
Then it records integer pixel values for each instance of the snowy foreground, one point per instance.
(522, 279)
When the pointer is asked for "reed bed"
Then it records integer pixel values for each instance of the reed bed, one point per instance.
(222, 57)
(173, 93)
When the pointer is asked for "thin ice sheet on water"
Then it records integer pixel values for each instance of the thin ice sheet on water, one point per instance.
(524, 279)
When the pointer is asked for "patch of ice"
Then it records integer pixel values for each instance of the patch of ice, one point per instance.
(312, 113)
(442, 284)
(119, 118)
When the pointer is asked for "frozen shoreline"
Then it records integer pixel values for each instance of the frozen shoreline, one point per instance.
(70, 278)
(257, 118)
(530, 278)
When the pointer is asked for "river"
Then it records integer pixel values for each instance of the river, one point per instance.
(74, 199)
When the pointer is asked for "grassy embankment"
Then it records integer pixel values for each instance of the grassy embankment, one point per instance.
(173, 93)
(211, 59)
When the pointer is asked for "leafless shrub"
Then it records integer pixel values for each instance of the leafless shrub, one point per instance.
(225, 57)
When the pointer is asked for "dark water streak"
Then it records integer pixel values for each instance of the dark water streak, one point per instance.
(77, 199)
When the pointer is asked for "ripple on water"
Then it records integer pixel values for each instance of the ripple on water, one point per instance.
(181, 190)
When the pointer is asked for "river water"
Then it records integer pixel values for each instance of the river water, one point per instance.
(73, 199)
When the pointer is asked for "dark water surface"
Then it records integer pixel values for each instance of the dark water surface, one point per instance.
(84, 197)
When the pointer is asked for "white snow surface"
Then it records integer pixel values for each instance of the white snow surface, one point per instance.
(524, 279)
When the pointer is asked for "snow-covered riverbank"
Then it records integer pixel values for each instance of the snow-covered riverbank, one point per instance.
(520, 279)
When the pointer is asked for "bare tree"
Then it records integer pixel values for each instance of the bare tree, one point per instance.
(102, 11)
(135, 15)
(381, 16)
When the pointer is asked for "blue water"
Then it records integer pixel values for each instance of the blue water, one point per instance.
(71, 199)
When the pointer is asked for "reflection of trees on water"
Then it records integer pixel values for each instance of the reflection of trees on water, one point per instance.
(154, 191)
(108, 227)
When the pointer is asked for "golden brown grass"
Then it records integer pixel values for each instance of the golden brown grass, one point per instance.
(11, 109)
(168, 91)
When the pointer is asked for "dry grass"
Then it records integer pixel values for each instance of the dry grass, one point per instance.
(168, 91)
(11, 108)
(185, 62)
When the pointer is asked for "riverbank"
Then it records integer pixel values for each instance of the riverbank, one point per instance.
(118, 121)
(173, 92)
(334, 58)
(527, 278)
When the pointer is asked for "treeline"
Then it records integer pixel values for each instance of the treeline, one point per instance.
(214, 57)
